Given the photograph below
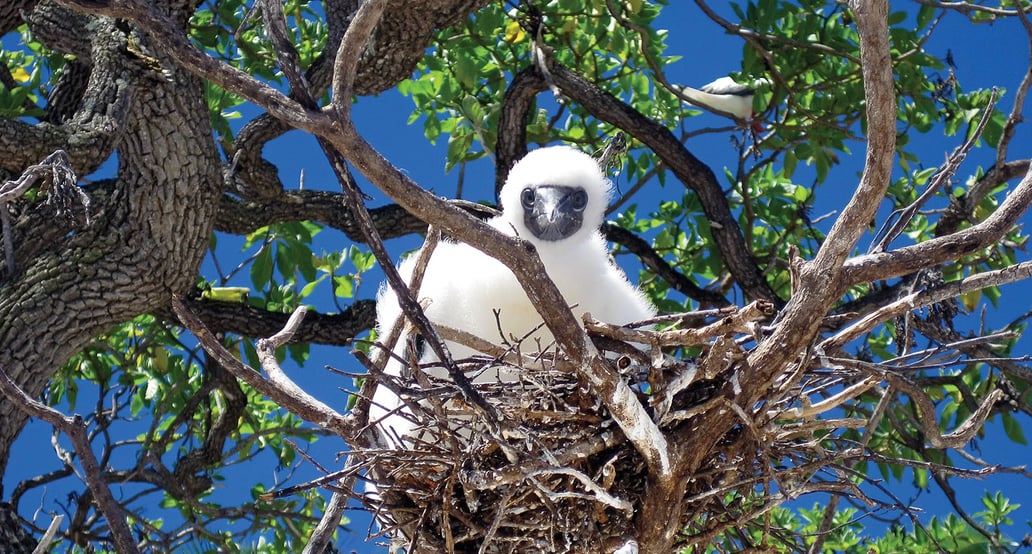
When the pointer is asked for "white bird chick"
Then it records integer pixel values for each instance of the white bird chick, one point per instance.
(725, 95)
(555, 198)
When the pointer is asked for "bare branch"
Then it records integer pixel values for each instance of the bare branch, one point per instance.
(1015, 115)
(872, 267)
(819, 280)
(75, 429)
(941, 177)
(246, 320)
(926, 416)
(742, 321)
(48, 536)
(278, 388)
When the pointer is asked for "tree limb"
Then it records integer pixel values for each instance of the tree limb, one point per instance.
(91, 134)
(279, 389)
(75, 429)
(885, 265)
(687, 168)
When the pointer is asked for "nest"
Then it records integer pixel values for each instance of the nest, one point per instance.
(532, 461)
(540, 477)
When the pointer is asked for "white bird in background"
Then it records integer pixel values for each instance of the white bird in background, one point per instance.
(554, 197)
(725, 95)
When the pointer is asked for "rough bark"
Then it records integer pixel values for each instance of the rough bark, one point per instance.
(819, 286)
(152, 222)
(148, 239)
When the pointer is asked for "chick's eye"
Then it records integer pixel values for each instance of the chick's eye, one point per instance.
(579, 200)
(527, 198)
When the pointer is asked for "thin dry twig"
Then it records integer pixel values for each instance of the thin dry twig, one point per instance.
(926, 297)
(741, 321)
(939, 180)
(56, 171)
(48, 536)
(278, 387)
(75, 429)
(926, 417)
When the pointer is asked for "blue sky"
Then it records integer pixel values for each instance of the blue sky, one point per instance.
(988, 55)
(706, 53)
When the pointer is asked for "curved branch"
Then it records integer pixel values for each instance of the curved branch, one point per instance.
(75, 428)
(926, 415)
(656, 263)
(511, 144)
(243, 217)
(258, 178)
(819, 282)
(248, 321)
(961, 209)
(286, 394)
(91, 134)
(885, 265)
(687, 168)
(398, 43)
(880, 100)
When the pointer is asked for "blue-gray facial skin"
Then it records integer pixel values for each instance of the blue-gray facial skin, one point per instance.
(553, 212)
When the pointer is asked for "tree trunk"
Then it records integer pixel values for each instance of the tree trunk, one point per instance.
(146, 239)
(150, 227)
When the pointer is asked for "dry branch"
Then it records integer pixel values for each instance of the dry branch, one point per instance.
(680, 441)
(278, 387)
(886, 265)
(75, 429)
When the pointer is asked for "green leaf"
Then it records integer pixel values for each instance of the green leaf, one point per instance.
(1013, 428)
(344, 286)
(261, 269)
(363, 261)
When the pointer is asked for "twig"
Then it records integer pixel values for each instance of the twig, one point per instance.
(330, 520)
(941, 177)
(926, 297)
(886, 265)
(279, 389)
(75, 429)
(829, 511)
(1015, 116)
(926, 416)
(48, 537)
(503, 502)
(809, 410)
(600, 494)
(742, 321)
(58, 168)
(387, 343)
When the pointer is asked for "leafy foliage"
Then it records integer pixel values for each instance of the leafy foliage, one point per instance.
(154, 399)
(161, 392)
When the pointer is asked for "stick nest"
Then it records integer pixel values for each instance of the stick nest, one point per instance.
(541, 478)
